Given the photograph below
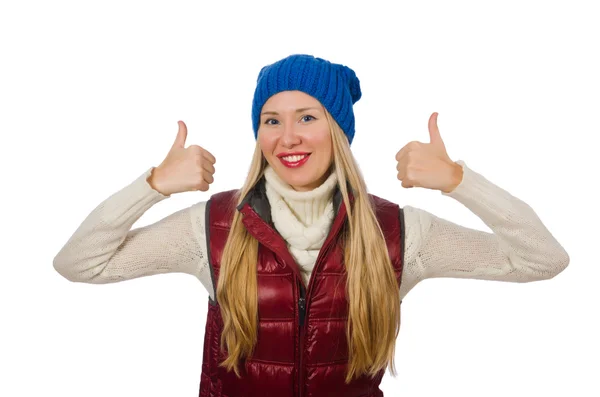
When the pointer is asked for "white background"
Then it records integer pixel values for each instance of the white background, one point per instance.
(90, 95)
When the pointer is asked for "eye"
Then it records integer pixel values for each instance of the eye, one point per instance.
(308, 115)
(267, 121)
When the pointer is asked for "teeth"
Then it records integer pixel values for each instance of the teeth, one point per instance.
(293, 159)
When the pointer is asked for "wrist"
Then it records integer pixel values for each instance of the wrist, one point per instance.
(457, 177)
(152, 182)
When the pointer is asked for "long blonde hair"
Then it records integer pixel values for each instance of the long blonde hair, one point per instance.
(371, 285)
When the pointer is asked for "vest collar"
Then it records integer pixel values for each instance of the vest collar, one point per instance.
(258, 201)
(255, 207)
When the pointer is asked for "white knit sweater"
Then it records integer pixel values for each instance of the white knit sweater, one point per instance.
(104, 249)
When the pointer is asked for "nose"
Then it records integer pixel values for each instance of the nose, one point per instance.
(290, 136)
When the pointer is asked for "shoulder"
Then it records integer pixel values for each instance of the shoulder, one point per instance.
(221, 207)
(225, 196)
(389, 215)
(198, 210)
(380, 202)
(385, 207)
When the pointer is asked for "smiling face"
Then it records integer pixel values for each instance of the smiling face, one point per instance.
(295, 140)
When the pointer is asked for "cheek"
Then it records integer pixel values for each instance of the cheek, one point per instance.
(267, 145)
(322, 139)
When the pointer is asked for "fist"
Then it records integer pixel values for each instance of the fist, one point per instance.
(428, 165)
(184, 169)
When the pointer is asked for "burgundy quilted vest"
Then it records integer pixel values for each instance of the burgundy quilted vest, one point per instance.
(302, 347)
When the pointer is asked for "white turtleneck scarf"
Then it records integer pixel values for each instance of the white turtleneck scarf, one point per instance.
(302, 218)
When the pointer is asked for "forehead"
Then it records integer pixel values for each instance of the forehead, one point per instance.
(291, 100)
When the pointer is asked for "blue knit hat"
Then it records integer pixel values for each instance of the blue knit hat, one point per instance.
(334, 85)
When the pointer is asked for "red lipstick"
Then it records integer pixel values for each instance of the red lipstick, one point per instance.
(293, 164)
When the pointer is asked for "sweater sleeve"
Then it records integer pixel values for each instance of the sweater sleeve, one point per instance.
(104, 249)
(519, 249)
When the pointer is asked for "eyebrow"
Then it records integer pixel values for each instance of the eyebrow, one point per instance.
(297, 111)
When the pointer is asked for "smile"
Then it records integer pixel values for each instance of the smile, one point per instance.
(294, 161)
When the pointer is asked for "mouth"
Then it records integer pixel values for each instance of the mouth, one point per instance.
(295, 160)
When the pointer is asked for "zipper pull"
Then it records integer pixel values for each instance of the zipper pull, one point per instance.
(301, 304)
(302, 310)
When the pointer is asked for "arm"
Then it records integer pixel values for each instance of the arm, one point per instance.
(104, 249)
(520, 249)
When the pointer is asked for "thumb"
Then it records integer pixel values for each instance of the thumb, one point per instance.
(434, 133)
(181, 135)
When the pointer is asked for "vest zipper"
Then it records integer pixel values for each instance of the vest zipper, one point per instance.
(301, 318)
(304, 291)
(302, 306)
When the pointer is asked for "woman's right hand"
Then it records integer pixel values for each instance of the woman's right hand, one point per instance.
(184, 169)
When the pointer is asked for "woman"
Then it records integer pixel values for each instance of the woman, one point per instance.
(305, 270)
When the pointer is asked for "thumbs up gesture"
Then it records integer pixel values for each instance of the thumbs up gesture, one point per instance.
(428, 165)
(184, 169)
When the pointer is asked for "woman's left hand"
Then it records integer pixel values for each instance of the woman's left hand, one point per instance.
(428, 164)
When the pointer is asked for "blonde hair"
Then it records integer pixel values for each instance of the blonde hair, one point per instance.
(371, 285)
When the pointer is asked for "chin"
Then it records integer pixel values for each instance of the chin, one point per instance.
(299, 181)
(301, 178)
